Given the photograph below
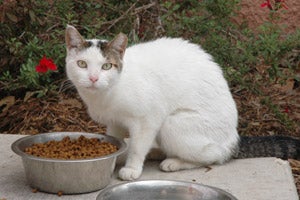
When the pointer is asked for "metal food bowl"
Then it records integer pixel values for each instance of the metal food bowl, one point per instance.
(163, 190)
(67, 176)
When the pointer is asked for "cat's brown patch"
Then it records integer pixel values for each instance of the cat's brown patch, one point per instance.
(115, 50)
(114, 58)
(102, 44)
(87, 44)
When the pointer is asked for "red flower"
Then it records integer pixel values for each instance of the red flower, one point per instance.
(277, 4)
(286, 110)
(45, 65)
(267, 4)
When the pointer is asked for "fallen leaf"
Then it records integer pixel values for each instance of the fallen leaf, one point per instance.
(208, 168)
(73, 103)
(294, 162)
(7, 102)
(28, 95)
(262, 68)
(255, 123)
(287, 87)
(12, 17)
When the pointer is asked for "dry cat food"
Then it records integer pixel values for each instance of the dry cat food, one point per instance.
(60, 193)
(34, 190)
(80, 148)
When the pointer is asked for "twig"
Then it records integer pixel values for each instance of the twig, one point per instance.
(119, 18)
(54, 26)
(145, 7)
(135, 12)
(160, 25)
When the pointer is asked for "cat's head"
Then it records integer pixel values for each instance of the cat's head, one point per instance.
(94, 65)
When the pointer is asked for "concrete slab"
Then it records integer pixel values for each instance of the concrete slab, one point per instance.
(257, 179)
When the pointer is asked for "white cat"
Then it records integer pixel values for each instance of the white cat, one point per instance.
(167, 91)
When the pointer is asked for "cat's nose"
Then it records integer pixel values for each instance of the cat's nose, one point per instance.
(93, 78)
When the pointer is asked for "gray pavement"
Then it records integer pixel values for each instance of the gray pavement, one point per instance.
(247, 179)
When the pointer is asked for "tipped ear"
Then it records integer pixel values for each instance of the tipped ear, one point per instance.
(119, 43)
(73, 38)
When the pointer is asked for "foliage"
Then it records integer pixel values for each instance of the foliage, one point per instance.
(31, 29)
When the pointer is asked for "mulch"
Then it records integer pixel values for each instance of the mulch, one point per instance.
(64, 112)
(295, 165)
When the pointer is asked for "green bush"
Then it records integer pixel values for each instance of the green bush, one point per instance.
(31, 29)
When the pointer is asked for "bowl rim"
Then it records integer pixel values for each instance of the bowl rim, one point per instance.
(167, 181)
(15, 148)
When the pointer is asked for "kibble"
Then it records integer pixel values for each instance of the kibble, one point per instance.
(80, 148)
(34, 190)
(60, 193)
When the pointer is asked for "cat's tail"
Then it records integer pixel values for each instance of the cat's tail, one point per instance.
(283, 147)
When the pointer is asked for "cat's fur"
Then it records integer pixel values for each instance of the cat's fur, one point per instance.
(167, 91)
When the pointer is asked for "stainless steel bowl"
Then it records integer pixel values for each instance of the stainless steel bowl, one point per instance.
(67, 176)
(163, 190)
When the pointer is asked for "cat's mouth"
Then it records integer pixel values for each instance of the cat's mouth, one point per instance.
(91, 87)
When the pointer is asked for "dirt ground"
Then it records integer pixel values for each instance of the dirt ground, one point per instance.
(255, 15)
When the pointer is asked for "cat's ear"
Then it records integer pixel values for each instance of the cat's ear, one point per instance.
(119, 43)
(73, 38)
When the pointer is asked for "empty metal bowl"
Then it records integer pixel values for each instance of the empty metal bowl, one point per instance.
(163, 190)
(67, 176)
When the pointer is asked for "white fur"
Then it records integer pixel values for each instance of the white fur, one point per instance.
(169, 91)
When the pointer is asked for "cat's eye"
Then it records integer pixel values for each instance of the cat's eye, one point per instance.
(107, 66)
(81, 64)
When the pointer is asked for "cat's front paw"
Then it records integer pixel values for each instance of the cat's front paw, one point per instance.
(129, 174)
